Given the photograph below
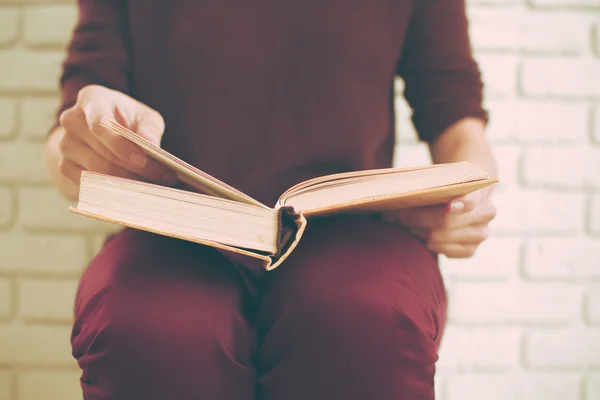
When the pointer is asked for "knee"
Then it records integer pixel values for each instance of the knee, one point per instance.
(367, 284)
(350, 310)
(140, 332)
(137, 310)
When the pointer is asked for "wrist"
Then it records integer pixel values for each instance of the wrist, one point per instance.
(465, 141)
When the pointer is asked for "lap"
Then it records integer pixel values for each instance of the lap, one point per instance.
(151, 306)
(364, 256)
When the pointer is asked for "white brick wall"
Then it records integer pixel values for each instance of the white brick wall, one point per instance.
(525, 311)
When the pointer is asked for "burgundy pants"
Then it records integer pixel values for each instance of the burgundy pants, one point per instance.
(357, 312)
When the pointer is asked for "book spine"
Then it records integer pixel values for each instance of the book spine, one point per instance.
(286, 229)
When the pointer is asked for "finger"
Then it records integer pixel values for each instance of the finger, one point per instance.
(75, 124)
(472, 234)
(440, 218)
(78, 152)
(94, 108)
(70, 170)
(453, 250)
(150, 125)
(77, 129)
(464, 204)
(151, 170)
(81, 154)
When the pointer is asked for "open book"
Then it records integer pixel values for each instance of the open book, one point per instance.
(220, 216)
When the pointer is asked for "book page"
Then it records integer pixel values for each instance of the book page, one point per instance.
(340, 178)
(410, 199)
(390, 188)
(186, 173)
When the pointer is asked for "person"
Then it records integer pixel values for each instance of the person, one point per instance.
(263, 95)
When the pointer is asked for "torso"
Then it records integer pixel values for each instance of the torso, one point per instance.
(264, 94)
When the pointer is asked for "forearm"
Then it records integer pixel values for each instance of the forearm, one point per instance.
(464, 141)
(65, 186)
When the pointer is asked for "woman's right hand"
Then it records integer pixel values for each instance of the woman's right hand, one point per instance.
(80, 144)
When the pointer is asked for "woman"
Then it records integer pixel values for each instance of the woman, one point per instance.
(262, 95)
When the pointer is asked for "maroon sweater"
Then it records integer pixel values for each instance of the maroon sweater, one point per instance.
(263, 94)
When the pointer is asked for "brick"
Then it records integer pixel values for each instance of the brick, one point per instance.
(565, 78)
(49, 25)
(596, 125)
(7, 207)
(515, 302)
(30, 70)
(499, 74)
(42, 255)
(43, 208)
(538, 211)
(472, 348)
(22, 163)
(37, 116)
(562, 258)
(567, 4)
(563, 348)
(405, 129)
(592, 386)
(596, 39)
(562, 167)
(6, 385)
(36, 345)
(48, 384)
(515, 30)
(439, 384)
(410, 155)
(97, 243)
(514, 386)
(532, 122)
(9, 25)
(593, 213)
(6, 299)
(34, 304)
(508, 159)
(485, 264)
(492, 2)
(8, 112)
(592, 304)
(492, 28)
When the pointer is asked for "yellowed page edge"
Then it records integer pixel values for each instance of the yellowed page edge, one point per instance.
(409, 199)
(351, 174)
(176, 236)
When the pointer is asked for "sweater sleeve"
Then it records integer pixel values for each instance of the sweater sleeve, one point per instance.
(442, 80)
(97, 52)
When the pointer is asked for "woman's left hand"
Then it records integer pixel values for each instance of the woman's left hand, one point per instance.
(456, 229)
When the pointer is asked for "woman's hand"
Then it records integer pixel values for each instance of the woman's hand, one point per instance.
(456, 229)
(80, 144)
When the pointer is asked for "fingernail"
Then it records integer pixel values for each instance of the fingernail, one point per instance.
(139, 160)
(457, 206)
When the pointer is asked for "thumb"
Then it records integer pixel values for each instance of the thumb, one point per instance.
(151, 126)
(141, 119)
